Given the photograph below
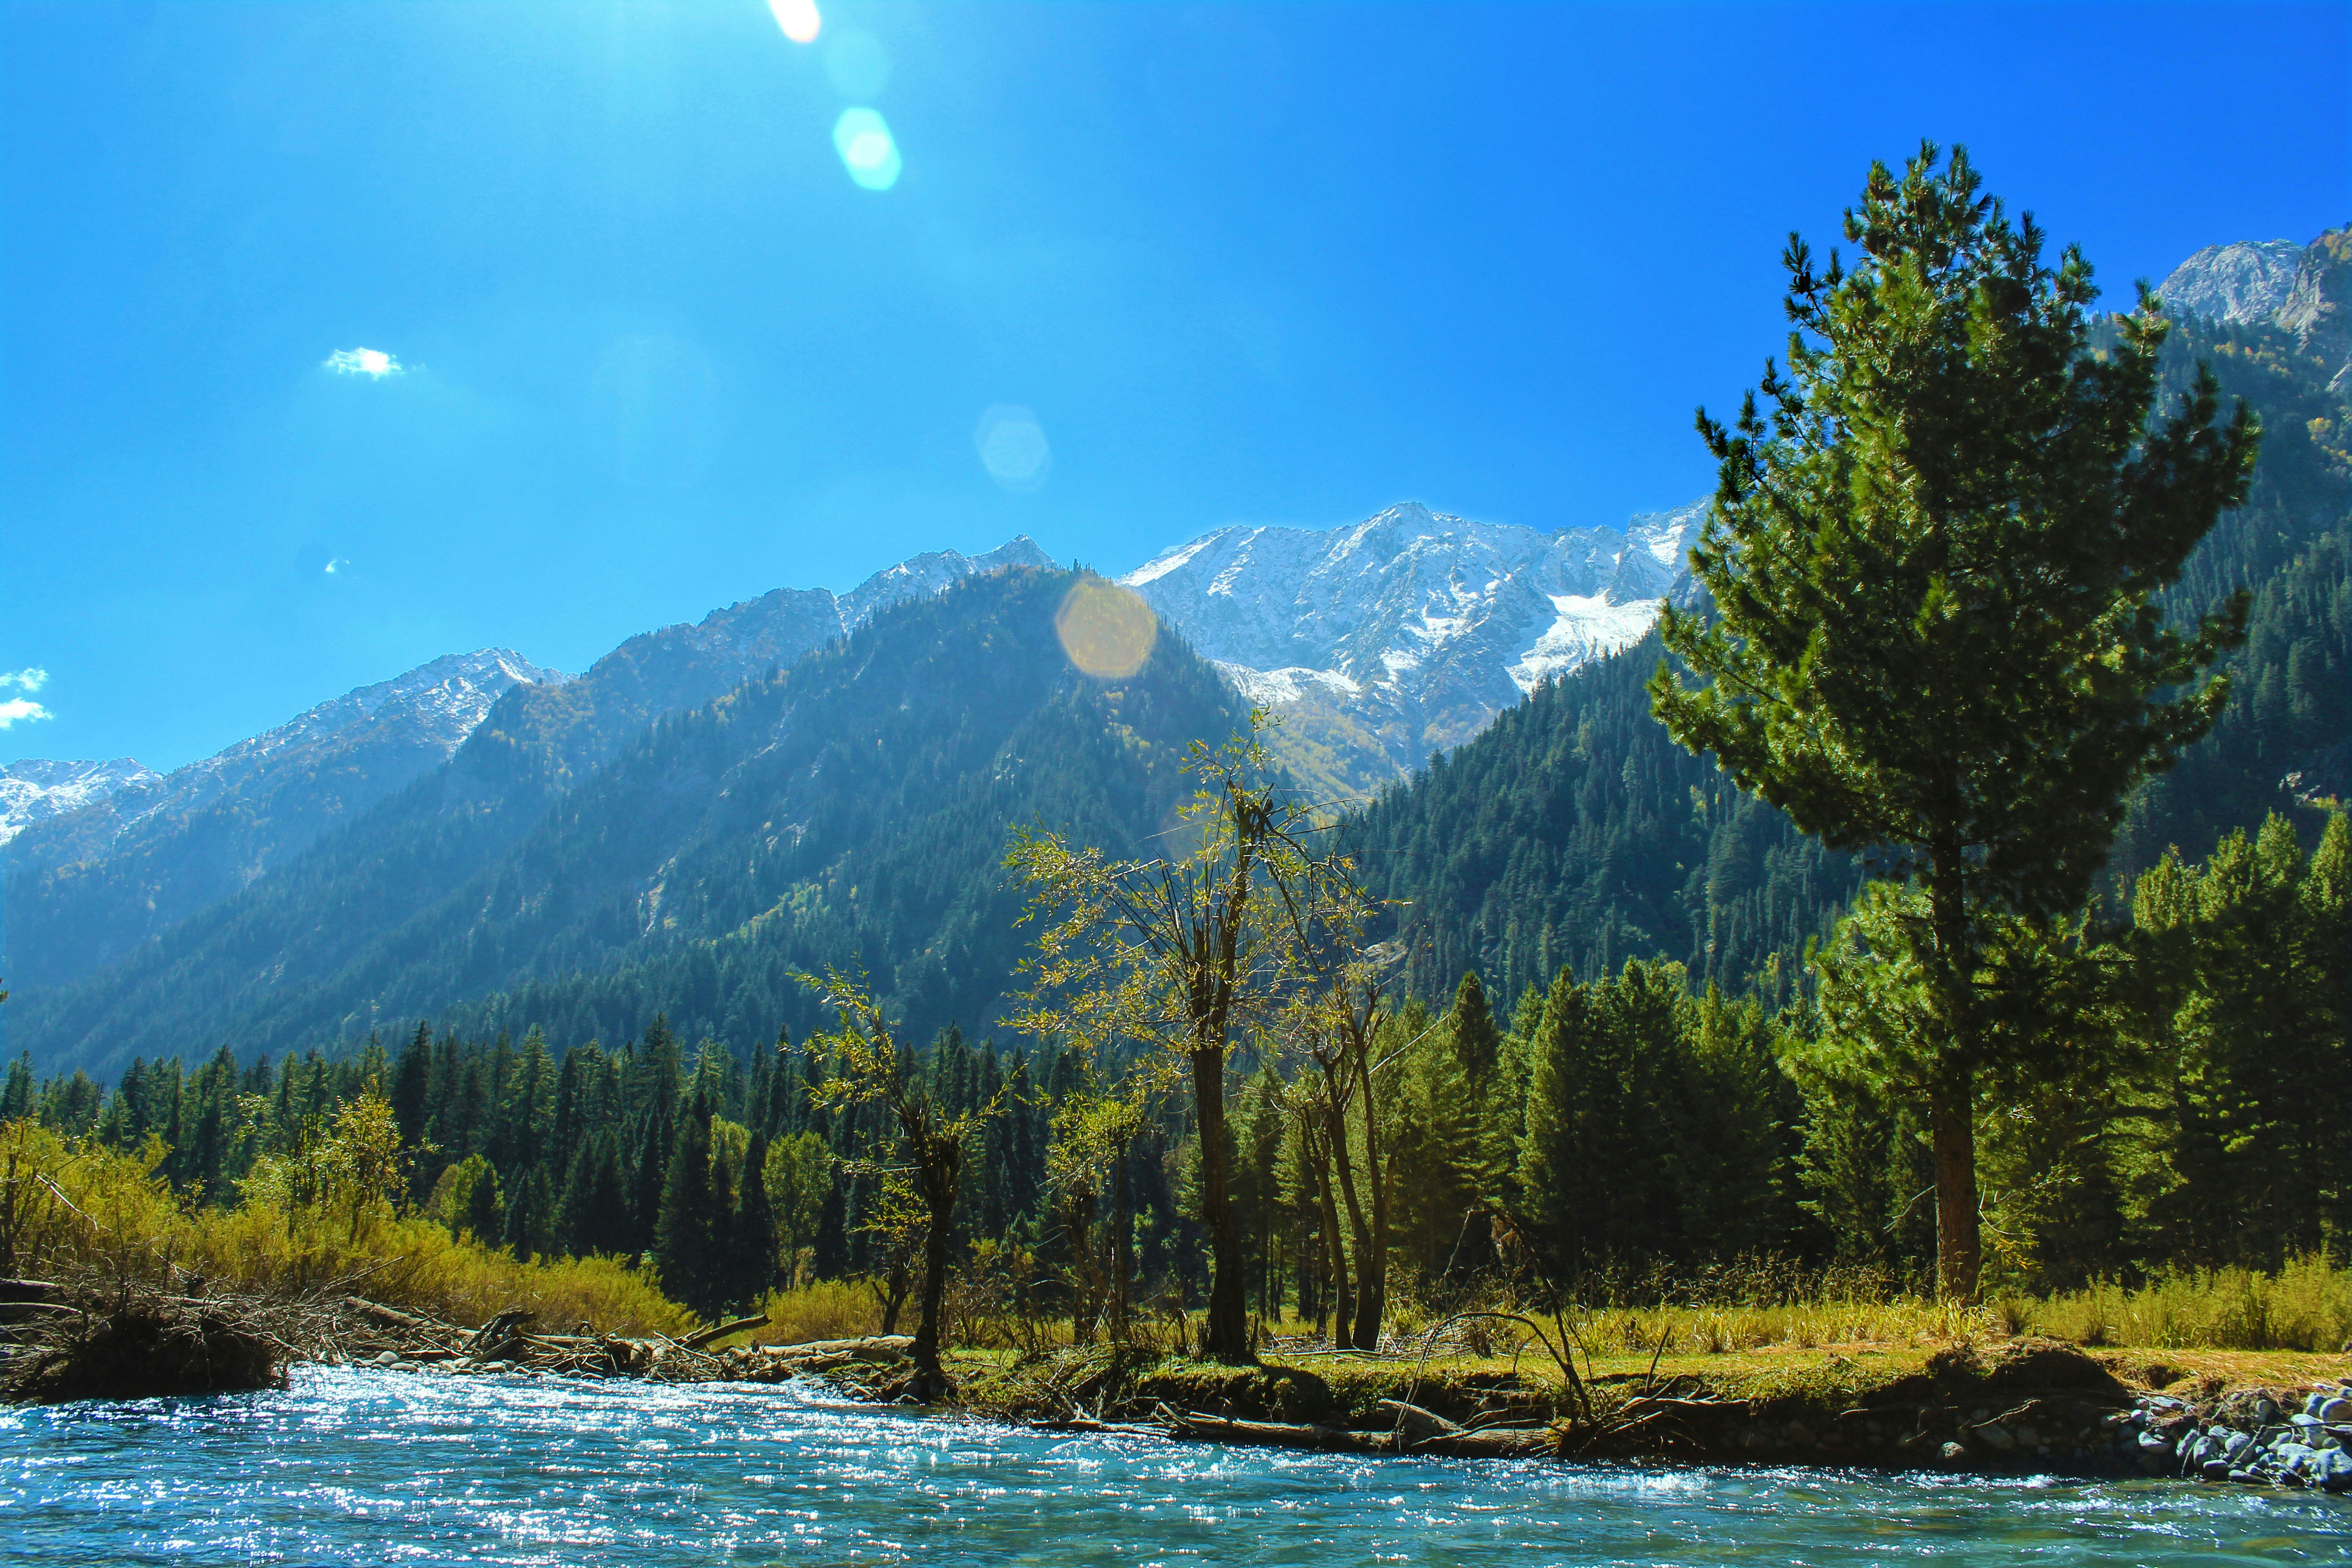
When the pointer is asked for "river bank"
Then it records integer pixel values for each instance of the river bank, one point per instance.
(2023, 1406)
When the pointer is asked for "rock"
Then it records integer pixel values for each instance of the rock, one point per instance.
(2334, 1471)
(386, 1358)
(1953, 1454)
(1993, 1436)
(2216, 1469)
(2336, 1409)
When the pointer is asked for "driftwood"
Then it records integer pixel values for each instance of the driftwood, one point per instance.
(1275, 1434)
(28, 1290)
(712, 1336)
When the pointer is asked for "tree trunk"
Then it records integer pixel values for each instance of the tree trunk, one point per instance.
(1951, 1092)
(1225, 1336)
(939, 1161)
(1952, 1132)
(1123, 1245)
(1337, 1298)
(935, 1288)
(1372, 1262)
(1085, 1297)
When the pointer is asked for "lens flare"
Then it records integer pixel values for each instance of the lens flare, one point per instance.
(1106, 630)
(798, 18)
(866, 150)
(1013, 448)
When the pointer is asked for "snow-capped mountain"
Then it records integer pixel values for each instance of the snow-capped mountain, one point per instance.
(2304, 289)
(37, 789)
(1387, 639)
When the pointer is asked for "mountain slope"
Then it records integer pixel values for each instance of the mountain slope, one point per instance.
(851, 809)
(86, 887)
(1387, 639)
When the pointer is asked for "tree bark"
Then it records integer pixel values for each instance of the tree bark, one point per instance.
(1338, 1298)
(939, 1161)
(1372, 1265)
(1951, 1089)
(1225, 1334)
(1952, 1132)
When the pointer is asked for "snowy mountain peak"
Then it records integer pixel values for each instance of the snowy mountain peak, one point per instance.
(1410, 630)
(36, 788)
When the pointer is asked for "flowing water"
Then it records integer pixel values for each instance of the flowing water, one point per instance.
(370, 1467)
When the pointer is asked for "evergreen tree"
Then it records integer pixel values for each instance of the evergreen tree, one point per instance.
(682, 1229)
(755, 1227)
(1934, 570)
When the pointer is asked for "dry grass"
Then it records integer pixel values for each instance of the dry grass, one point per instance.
(77, 1211)
(828, 1309)
(2306, 1306)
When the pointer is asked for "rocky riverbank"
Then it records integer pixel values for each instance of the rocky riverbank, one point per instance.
(2036, 1405)
(2024, 1406)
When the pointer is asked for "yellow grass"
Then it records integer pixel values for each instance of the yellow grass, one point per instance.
(828, 1309)
(77, 1209)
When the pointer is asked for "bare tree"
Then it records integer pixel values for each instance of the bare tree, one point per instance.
(1184, 955)
(870, 1068)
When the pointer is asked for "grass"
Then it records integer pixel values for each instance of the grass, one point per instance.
(77, 1210)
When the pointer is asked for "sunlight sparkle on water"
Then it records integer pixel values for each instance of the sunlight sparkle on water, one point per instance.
(798, 18)
(867, 152)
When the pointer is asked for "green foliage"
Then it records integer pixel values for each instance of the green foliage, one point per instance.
(1936, 571)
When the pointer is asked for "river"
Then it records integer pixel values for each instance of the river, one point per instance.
(354, 1466)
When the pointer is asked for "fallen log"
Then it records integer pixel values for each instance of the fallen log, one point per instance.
(711, 1336)
(28, 1290)
(1490, 1443)
(883, 1348)
(1275, 1434)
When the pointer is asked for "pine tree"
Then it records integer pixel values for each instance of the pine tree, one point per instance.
(754, 1263)
(682, 1240)
(1934, 570)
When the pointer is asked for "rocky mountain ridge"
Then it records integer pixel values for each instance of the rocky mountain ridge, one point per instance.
(2302, 289)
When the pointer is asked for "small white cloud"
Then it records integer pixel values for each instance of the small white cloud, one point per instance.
(32, 677)
(17, 709)
(338, 566)
(373, 364)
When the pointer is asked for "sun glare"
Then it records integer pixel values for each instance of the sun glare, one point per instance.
(1107, 631)
(863, 139)
(798, 18)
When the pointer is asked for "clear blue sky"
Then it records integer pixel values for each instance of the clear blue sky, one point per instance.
(661, 352)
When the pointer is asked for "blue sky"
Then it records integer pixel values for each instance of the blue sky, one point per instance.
(659, 350)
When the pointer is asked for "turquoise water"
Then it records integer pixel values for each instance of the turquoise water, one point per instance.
(351, 1467)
